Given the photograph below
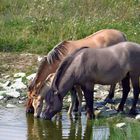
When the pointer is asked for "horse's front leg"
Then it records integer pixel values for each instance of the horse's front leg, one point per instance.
(136, 91)
(80, 97)
(73, 100)
(88, 93)
(126, 89)
(109, 99)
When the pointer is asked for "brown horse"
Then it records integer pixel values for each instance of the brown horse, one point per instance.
(88, 66)
(51, 62)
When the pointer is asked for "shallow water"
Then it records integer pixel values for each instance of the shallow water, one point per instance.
(16, 125)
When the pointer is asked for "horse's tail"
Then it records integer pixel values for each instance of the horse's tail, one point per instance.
(63, 66)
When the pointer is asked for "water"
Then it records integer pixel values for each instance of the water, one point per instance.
(16, 125)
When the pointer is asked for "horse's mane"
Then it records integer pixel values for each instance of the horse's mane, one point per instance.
(64, 65)
(56, 53)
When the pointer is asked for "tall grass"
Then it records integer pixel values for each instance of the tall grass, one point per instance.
(36, 26)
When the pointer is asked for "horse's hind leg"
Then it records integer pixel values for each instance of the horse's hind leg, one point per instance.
(126, 89)
(109, 99)
(88, 93)
(136, 91)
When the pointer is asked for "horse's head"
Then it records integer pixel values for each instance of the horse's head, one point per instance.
(37, 104)
(32, 92)
(29, 107)
(54, 103)
(38, 100)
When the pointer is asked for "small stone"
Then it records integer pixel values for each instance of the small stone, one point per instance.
(18, 80)
(20, 74)
(120, 125)
(13, 93)
(6, 84)
(6, 76)
(1, 97)
(39, 58)
(20, 102)
(137, 117)
(18, 85)
(10, 106)
(97, 113)
(30, 77)
(2, 92)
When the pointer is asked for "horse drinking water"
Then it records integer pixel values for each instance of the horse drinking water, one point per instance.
(50, 63)
(88, 66)
(38, 100)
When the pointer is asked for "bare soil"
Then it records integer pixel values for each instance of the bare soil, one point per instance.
(11, 63)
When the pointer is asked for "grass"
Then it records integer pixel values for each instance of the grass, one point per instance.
(37, 26)
(129, 132)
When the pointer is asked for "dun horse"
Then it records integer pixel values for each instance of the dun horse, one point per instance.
(38, 100)
(50, 63)
(88, 66)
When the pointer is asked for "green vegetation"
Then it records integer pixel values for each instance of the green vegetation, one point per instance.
(36, 26)
(128, 132)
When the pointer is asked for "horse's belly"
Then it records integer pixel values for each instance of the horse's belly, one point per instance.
(110, 78)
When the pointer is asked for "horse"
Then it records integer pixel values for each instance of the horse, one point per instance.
(38, 100)
(50, 63)
(87, 67)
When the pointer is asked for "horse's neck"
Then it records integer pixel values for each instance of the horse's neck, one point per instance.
(44, 72)
(63, 88)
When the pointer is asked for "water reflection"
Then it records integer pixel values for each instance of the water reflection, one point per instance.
(64, 129)
(15, 125)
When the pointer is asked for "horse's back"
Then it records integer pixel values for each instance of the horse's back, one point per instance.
(101, 39)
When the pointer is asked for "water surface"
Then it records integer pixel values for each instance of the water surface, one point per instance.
(16, 125)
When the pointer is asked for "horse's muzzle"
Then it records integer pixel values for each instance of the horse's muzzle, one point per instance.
(30, 110)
